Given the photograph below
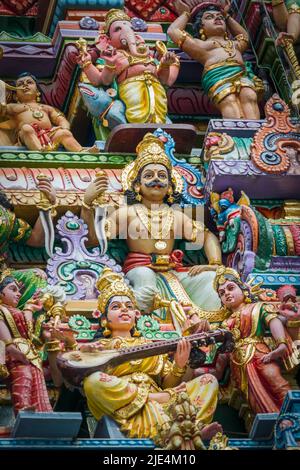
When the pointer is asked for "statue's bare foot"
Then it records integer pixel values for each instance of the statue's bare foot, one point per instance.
(29, 408)
(93, 149)
(209, 431)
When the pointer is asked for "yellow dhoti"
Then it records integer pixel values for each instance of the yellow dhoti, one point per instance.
(145, 99)
(123, 394)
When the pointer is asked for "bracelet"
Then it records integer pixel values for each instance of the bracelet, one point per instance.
(72, 347)
(276, 3)
(188, 15)
(184, 36)
(197, 228)
(241, 37)
(293, 323)
(54, 346)
(111, 67)
(86, 64)
(176, 63)
(178, 371)
(281, 341)
(215, 261)
(87, 206)
(173, 396)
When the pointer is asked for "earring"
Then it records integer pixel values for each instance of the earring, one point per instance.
(226, 37)
(202, 35)
(38, 97)
(247, 298)
(107, 331)
(138, 196)
(170, 198)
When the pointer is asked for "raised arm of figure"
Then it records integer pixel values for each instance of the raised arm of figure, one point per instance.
(195, 48)
(236, 29)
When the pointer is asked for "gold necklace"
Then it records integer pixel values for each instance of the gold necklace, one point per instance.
(37, 113)
(147, 217)
(229, 47)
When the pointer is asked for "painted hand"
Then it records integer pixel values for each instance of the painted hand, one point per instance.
(182, 6)
(198, 269)
(182, 354)
(46, 187)
(94, 189)
(82, 58)
(280, 352)
(168, 59)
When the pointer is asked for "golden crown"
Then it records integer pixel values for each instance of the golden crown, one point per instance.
(150, 150)
(111, 284)
(114, 15)
(221, 274)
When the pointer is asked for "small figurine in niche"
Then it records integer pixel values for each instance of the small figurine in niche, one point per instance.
(38, 126)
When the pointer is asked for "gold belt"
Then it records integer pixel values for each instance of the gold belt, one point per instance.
(145, 77)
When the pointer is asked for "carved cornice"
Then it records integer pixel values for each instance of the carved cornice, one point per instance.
(29, 159)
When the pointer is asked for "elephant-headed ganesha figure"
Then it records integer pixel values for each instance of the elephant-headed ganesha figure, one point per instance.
(126, 61)
(151, 223)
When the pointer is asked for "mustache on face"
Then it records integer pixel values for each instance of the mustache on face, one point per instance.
(158, 183)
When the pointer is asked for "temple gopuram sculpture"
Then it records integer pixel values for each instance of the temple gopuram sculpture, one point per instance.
(152, 224)
(130, 390)
(149, 226)
(225, 78)
(140, 78)
(37, 126)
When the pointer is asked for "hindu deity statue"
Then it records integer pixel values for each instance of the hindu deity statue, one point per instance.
(226, 78)
(254, 363)
(286, 15)
(127, 60)
(38, 126)
(23, 365)
(140, 394)
(150, 223)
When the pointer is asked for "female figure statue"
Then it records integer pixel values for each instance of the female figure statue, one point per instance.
(23, 366)
(138, 394)
(254, 366)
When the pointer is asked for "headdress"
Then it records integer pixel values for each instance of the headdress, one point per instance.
(223, 274)
(109, 285)
(150, 150)
(4, 274)
(204, 5)
(114, 15)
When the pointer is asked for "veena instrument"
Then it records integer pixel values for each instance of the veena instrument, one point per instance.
(75, 366)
